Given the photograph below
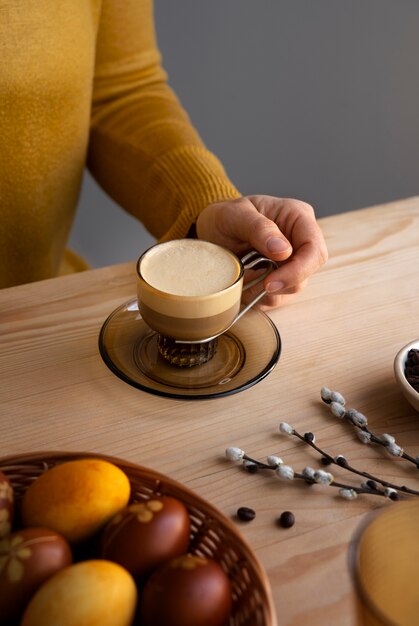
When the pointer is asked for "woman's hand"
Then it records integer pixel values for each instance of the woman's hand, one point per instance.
(281, 229)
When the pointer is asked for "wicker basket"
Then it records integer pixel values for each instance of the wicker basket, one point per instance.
(212, 534)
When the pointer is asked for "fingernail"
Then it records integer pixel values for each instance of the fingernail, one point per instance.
(275, 285)
(275, 244)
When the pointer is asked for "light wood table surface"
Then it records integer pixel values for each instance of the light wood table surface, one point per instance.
(343, 331)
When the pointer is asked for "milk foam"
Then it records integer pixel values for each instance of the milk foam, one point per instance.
(189, 267)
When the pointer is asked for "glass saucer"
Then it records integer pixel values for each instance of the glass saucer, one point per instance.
(245, 355)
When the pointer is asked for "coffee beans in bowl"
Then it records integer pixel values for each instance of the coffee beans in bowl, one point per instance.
(411, 368)
(406, 371)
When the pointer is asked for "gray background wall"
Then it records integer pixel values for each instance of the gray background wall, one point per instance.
(314, 99)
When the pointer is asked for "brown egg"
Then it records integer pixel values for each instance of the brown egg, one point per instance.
(187, 591)
(27, 559)
(6, 505)
(144, 535)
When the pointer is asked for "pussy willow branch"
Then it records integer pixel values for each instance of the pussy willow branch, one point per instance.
(333, 483)
(341, 461)
(337, 406)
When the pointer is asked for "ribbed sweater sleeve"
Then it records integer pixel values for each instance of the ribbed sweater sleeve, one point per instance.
(143, 149)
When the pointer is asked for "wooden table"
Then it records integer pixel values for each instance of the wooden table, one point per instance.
(343, 331)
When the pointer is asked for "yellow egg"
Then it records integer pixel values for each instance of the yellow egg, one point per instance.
(76, 498)
(97, 593)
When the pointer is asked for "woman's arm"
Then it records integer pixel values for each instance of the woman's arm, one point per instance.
(143, 149)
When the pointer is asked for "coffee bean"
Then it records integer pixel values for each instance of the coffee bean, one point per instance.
(245, 514)
(286, 519)
(413, 355)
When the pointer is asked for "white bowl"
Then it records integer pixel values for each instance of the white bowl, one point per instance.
(399, 364)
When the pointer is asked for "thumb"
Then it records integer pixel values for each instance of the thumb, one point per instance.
(261, 233)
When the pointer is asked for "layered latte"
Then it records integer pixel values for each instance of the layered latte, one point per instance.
(189, 289)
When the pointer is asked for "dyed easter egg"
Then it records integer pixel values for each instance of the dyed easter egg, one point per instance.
(143, 535)
(97, 593)
(27, 559)
(76, 498)
(187, 591)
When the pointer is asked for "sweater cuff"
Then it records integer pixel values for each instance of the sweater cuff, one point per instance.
(198, 179)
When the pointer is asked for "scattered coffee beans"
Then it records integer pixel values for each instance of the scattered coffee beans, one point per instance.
(411, 369)
(245, 514)
(286, 519)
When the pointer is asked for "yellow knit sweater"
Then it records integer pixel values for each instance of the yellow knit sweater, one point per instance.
(81, 80)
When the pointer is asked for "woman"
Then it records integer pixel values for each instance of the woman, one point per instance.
(81, 82)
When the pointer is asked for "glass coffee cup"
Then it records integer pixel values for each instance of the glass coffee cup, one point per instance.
(189, 291)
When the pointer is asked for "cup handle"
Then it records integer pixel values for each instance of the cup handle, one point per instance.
(251, 261)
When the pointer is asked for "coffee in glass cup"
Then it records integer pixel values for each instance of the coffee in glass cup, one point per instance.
(189, 292)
